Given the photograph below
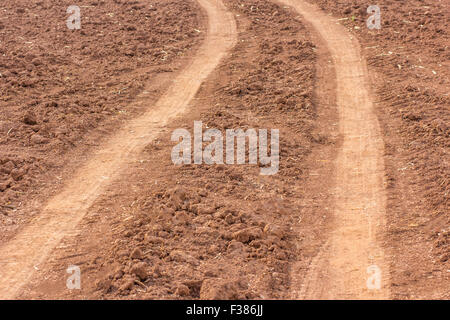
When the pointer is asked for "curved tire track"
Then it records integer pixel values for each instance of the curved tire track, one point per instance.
(65, 210)
(340, 270)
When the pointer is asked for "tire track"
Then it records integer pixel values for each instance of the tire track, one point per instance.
(65, 210)
(343, 267)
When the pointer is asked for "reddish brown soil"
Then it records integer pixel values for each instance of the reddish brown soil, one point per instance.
(62, 90)
(408, 59)
(163, 231)
(203, 232)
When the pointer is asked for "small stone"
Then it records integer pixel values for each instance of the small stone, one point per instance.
(247, 234)
(36, 61)
(8, 167)
(150, 238)
(204, 209)
(136, 254)
(229, 219)
(179, 192)
(118, 273)
(163, 234)
(17, 174)
(183, 290)
(178, 197)
(156, 271)
(213, 249)
(122, 253)
(274, 230)
(104, 285)
(128, 233)
(210, 274)
(141, 270)
(181, 218)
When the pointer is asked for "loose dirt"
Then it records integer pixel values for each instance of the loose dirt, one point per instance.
(63, 212)
(363, 181)
(63, 91)
(199, 231)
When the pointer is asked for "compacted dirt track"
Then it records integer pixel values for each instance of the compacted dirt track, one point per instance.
(352, 253)
(65, 210)
(409, 66)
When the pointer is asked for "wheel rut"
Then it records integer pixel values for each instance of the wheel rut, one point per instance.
(33, 244)
(351, 264)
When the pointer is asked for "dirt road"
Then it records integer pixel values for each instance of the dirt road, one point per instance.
(358, 209)
(65, 210)
(352, 260)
